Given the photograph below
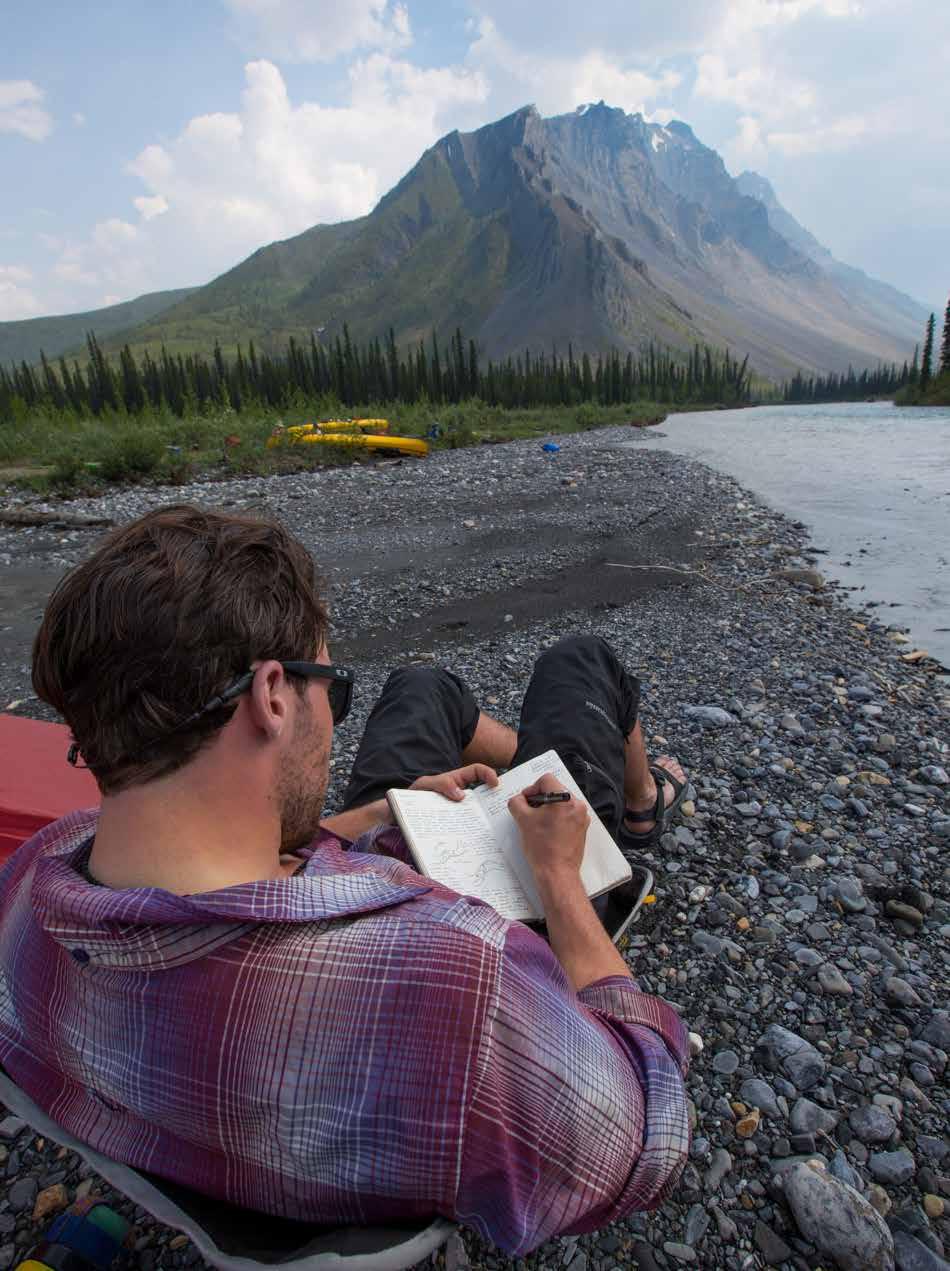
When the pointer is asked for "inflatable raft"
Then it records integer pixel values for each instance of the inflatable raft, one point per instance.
(367, 434)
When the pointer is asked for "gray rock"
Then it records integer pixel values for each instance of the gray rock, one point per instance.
(11, 1127)
(707, 943)
(713, 716)
(680, 1253)
(808, 957)
(771, 1245)
(898, 992)
(781, 1050)
(872, 1124)
(842, 1171)
(697, 1224)
(850, 894)
(933, 1147)
(728, 1231)
(808, 1118)
(833, 982)
(22, 1194)
(719, 1167)
(759, 1094)
(810, 577)
(725, 1062)
(912, 1255)
(937, 1031)
(838, 1220)
(936, 775)
(892, 1168)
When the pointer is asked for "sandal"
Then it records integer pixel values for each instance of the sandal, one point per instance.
(661, 814)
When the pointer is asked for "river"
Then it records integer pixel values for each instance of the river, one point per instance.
(871, 481)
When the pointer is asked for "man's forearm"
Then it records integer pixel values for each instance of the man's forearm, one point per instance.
(576, 934)
(350, 825)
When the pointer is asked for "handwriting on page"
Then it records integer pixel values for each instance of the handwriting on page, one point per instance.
(459, 849)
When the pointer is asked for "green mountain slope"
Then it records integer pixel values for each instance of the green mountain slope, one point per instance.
(594, 228)
(23, 341)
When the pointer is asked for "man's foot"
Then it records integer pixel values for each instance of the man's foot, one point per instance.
(666, 774)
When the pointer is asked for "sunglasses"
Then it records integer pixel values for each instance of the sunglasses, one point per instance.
(339, 690)
(339, 694)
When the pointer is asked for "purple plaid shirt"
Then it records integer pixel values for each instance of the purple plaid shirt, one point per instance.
(350, 1045)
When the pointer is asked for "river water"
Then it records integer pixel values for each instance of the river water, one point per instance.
(871, 481)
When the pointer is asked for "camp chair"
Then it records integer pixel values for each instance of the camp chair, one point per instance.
(235, 1239)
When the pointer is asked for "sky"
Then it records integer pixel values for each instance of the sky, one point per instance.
(147, 146)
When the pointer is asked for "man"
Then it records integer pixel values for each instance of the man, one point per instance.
(206, 981)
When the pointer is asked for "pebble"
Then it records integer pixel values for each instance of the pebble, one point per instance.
(712, 716)
(892, 1168)
(780, 1049)
(808, 1118)
(838, 1220)
(772, 1247)
(912, 1255)
(679, 1252)
(898, 992)
(719, 1166)
(872, 1124)
(833, 982)
(759, 1094)
(725, 1062)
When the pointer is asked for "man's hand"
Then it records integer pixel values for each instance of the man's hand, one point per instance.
(552, 836)
(454, 784)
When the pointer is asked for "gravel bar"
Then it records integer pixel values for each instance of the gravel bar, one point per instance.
(802, 916)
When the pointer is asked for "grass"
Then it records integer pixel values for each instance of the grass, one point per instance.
(81, 456)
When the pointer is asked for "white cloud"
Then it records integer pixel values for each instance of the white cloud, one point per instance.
(16, 299)
(22, 111)
(302, 31)
(558, 83)
(114, 235)
(150, 207)
(79, 119)
(234, 181)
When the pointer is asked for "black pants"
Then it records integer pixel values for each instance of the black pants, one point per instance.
(580, 702)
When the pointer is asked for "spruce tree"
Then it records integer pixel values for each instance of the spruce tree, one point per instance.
(945, 344)
(926, 362)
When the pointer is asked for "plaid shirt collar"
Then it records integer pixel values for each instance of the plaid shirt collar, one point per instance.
(149, 928)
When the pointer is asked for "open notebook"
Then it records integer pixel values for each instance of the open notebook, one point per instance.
(474, 846)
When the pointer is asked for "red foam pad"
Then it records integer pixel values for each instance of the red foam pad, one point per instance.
(37, 785)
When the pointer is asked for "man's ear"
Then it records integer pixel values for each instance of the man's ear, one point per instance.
(267, 701)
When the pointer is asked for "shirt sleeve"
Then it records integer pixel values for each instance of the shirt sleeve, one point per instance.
(578, 1115)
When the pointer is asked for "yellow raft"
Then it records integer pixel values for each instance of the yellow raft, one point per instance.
(350, 432)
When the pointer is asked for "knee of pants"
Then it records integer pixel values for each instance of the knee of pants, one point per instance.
(422, 680)
(593, 648)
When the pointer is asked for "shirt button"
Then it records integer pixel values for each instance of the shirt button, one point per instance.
(80, 956)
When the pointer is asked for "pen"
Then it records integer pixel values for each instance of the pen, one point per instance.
(539, 800)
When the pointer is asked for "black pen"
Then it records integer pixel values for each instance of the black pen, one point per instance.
(539, 800)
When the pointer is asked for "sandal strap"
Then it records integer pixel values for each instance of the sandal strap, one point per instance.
(653, 815)
(662, 776)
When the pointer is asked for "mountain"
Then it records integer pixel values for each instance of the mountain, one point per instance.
(23, 341)
(594, 228)
(880, 301)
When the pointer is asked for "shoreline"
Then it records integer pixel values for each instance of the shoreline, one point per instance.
(813, 816)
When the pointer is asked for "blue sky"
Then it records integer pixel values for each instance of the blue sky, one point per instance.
(148, 146)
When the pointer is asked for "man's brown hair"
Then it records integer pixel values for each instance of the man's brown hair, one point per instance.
(161, 618)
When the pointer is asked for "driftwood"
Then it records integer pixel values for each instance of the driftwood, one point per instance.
(61, 520)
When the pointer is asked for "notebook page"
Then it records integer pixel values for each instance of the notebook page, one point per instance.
(603, 866)
(455, 844)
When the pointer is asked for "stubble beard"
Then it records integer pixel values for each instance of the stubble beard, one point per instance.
(302, 786)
